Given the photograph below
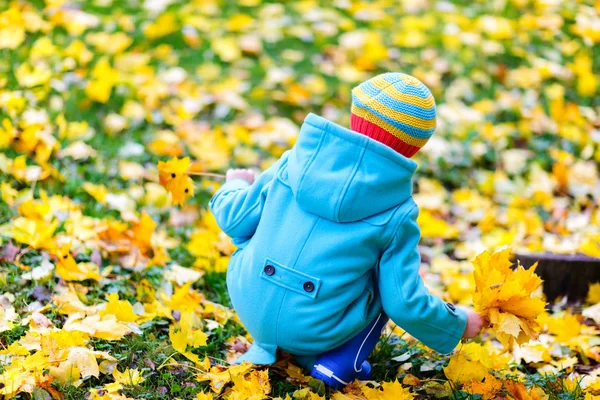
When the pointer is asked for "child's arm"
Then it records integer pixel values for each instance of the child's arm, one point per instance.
(405, 298)
(238, 205)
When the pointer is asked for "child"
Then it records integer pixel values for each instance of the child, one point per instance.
(327, 239)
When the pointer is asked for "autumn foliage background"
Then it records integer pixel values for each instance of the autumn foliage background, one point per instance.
(110, 291)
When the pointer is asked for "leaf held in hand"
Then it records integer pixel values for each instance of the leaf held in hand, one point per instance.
(505, 297)
(173, 176)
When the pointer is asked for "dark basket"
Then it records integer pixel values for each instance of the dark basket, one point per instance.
(564, 275)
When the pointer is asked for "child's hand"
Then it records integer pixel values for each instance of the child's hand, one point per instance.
(474, 324)
(245, 174)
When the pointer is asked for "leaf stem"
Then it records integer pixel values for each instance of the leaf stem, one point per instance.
(207, 174)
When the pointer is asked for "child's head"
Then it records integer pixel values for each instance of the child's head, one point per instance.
(395, 109)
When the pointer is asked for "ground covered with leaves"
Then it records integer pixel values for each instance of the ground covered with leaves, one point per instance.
(109, 291)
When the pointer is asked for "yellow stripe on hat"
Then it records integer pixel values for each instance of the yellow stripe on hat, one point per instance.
(400, 134)
(396, 115)
(410, 80)
(389, 89)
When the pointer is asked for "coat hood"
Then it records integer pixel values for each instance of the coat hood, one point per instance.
(344, 176)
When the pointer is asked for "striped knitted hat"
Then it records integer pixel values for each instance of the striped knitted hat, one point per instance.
(395, 109)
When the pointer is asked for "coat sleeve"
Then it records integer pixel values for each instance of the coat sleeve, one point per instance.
(405, 298)
(238, 206)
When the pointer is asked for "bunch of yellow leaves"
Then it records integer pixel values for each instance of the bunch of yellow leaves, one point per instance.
(504, 297)
(173, 176)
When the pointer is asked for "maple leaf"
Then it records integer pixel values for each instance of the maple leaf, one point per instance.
(504, 297)
(219, 376)
(488, 389)
(172, 175)
(103, 327)
(35, 233)
(565, 327)
(56, 344)
(390, 391)
(518, 391)
(433, 226)
(121, 309)
(80, 363)
(306, 394)
(254, 386)
(128, 377)
(183, 299)
(70, 270)
(187, 333)
(69, 303)
(471, 364)
(143, 230)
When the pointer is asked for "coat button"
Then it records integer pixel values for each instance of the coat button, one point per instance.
(269, 270)
(308, 286)
(451, 306)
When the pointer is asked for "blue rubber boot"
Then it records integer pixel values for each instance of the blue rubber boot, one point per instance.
(342, 365)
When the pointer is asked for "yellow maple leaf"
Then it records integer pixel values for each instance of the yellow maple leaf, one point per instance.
(84, 360)
(306, 394)
(56, 344)
(172, 175)
(9, 194)
(183, 299)
(488, 389)
(35, 233)
(172, 169)
(471, 364)
(565, 327)
(69, 303)
(70, 270)
(66, 373)
(143, 230)
(121, 309)
(112, 387)
(219, 376)
(504, 297)
(435, 227)
(104, 78)
(188, 333)
(128, 377)
(254, 386)
(518, 391)
(390, 391)
(98, 192)
(106, 327)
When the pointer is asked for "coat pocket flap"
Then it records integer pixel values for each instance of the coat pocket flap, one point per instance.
(291, 279)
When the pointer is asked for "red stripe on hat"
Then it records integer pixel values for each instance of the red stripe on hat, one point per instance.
(361, 125)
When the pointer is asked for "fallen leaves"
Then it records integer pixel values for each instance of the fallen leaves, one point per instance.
(93, 99)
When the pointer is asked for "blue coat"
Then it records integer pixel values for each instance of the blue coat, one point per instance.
(327, 239)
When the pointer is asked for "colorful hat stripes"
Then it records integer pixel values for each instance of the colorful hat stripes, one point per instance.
(395, 109)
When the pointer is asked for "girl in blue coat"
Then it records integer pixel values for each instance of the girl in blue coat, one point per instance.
(327, 239)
